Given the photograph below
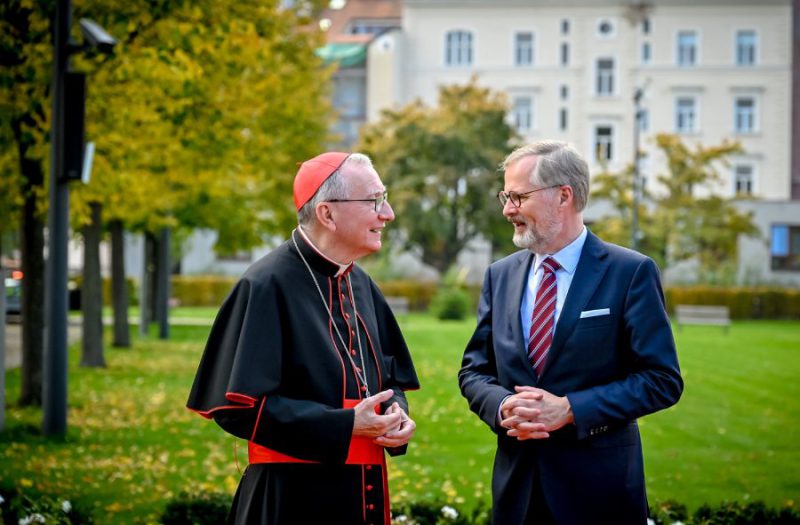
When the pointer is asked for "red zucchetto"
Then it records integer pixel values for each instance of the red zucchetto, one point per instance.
(313, 173)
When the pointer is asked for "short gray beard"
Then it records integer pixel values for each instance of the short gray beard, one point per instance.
(527, 240)
(534, 241)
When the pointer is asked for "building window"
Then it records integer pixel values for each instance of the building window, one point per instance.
(370, 27)
(458, 48)
(564, 54)
(646, 26)
(685, 115)
(744, 115)
(522, 114)
(745, 48)
(605, 28)
(565, 27)
(564, 92)
(603, 143)
(687, 48)
(523, 49)
(785, 247)
(605, 76)
(743, 179)
(562, 119)
(646, 53)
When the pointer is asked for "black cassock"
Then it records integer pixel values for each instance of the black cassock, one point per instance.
(274, 372)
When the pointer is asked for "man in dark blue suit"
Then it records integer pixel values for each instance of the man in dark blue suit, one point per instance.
(573, 344)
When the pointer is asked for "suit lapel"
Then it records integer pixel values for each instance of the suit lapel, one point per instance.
(590, 270)
(518, 283)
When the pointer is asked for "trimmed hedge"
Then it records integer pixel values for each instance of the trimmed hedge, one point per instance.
(201, 290)
(744, 303)
(418, 293)
(201, 509)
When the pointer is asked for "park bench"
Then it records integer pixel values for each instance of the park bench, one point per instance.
(398, 304)
(703, 314)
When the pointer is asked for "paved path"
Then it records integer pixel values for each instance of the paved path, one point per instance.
(14, 334)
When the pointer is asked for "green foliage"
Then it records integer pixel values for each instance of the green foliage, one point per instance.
(677, 225)
(735, 513)
(418, 293)
(202, 114)
(199, 116)
(440, 165)
(131, 447)
(450, 303)
(76, 283)
(668, 512)
(197, 509)
(201, 290)
(18, 507)
(439, 513)
(744, 303)
(617, 189)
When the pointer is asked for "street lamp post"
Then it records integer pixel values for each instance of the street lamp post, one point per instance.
(637, 186)
(54, 369)
(66, 159)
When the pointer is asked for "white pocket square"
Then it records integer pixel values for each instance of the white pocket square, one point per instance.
(595, 313)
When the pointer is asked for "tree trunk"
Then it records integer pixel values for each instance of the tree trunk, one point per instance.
(162, 283)
(92, 291)
(2, 339)
(32, 244)
(146, 290)
(119, 288)
(152, 279)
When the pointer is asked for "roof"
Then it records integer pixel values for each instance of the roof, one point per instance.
(350, 54)
(384, 12)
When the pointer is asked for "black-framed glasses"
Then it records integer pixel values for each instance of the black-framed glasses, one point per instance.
(517, 198)
(378, 201)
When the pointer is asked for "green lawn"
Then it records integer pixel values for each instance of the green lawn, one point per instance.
(131, 444)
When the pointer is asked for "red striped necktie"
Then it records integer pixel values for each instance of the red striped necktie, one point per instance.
(543, 317)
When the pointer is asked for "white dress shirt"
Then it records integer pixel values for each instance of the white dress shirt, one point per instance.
(568, 258)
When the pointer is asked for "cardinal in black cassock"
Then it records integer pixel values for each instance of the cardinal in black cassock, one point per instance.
(306, 361)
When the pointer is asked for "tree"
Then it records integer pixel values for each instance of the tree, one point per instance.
(441, 165)
(678, 224)
(25, 77)
(617, 189)
(199, 123)
(199, 119)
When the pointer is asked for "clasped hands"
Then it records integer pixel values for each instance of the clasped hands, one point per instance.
(392, 429)
(532, 413)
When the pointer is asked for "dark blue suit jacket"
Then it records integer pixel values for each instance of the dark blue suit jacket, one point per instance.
(613, 369)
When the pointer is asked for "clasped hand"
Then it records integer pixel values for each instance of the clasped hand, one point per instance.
(392, 429)
(532, 413)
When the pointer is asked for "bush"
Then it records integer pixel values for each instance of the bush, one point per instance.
(744, 303)
(418, 293)
(197, 509)
(668, 512)
(437, 513)
(76, 282)
(201, 290)
(737, 514)
(31, 508)
(450, 303)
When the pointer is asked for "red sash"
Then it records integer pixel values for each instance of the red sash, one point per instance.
(362, 450)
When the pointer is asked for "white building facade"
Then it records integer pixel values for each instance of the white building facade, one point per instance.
(709, 71)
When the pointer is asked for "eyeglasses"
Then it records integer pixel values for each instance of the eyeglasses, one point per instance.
(517, 198)
(378, 201)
